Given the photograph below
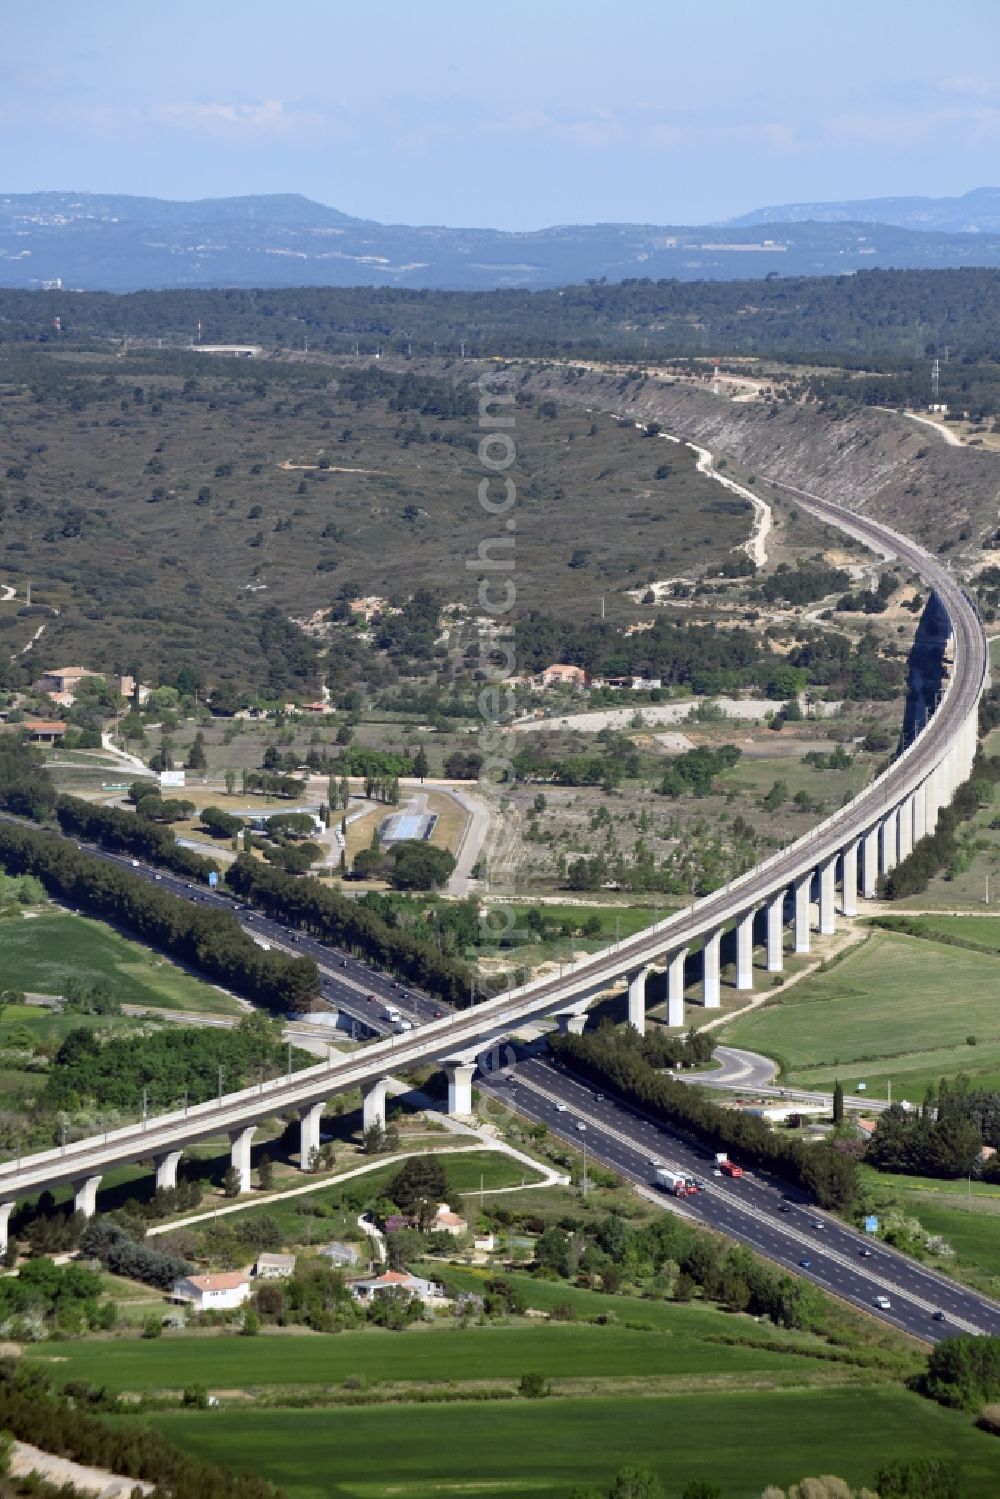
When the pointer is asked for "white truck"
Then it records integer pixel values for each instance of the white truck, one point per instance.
(671, 1181)
(391, 1013)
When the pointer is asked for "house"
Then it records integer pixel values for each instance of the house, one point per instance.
(561, 675)
(394, 1280)
(64, 678)
(213, 1292)
(485, 1243)
(341, 1256)
(367, 608)
(274, 1266)
(317, 708)
(61, 699)
(44, 730)
(447, 1222)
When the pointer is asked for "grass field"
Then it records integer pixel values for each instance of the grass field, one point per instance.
(435, 1355)
(40, 954)
(983, 930)
(521, 1450)
(966, 1214)
(899, 1008)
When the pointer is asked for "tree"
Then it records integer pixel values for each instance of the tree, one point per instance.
(231, 1184)
(197, 759)
(533, 1386)
(265, 1172)
(636, 1483)
(230, 782)
(420, 764)
(838, 1103)
(251, 1323)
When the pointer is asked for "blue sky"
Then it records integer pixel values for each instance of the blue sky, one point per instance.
(512, 114)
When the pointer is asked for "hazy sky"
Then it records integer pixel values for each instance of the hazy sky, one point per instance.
(516, 114)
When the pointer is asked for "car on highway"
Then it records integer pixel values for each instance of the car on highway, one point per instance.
(598, 1097)
(438, 1014)
(815, 1223)
(883, 1303)
(561, 1108)
(937, 1316)
(865, 1254)
(580, 1124)
(784, 1207)
(806, 1263)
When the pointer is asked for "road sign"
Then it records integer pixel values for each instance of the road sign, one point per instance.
(213, 879)
(871, 1224)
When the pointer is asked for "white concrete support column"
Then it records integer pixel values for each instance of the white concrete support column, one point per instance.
(574, 1022)
(460, 1076)
(802, 892)
(373, 1104)
(85, 1195)
(166, 1169)
(931, 790)
(890, 841)
(637, 999)
(711, 990)
(919, 815)
(240, 1141)
(675, 987)
(906, 829)
(310, 1120)
(744, 950)
(6, 1208)
(776, 933)
(827, 897)
(869, 863)
(849, 900)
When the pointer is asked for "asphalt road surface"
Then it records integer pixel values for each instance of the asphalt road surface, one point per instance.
(777, 1221)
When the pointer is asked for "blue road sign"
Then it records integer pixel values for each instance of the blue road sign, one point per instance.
(213, 879)
(871, 1224)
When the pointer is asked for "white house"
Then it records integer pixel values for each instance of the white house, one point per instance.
(394, 1280)
(274, 1266)
(340, 1255)
(447, 1222)
(213, 1292)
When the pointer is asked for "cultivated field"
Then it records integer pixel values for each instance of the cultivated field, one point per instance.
(898, 1008)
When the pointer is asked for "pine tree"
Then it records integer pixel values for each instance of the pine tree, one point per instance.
(838, 1103)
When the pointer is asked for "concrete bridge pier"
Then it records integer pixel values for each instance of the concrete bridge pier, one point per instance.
(776, 933)
(869, 864)
(85, 1195)
(240, 1141)
(373, 1104)
(711, 988)
(744, 950)
(803, 887)
(919, 814)
(6, 1208)
(310, 1120)
(890, 841)
(460, 1075)
(827, 896)
(675, 987)
(905, 815)
(166, 1169)
(637, 999)
(849, 899)
(574, 1022)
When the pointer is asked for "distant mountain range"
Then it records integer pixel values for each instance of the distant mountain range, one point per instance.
(977, 212)
(91, 241)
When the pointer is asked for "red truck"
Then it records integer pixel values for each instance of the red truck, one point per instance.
(726, 1166)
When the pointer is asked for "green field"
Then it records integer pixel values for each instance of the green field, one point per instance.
(438, 1354)
(39, 954)
(521, 1450)
(899, 1008)
(983, 930)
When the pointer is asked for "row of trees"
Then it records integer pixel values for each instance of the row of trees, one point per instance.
(332, 918)
(130, 833)
(942, 849)
(944, 1137)
(616, 1057)
(208, 939)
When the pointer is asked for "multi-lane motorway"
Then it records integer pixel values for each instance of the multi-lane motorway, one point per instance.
(776, 1222)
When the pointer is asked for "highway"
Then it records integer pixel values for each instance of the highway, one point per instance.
(774, 1220)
